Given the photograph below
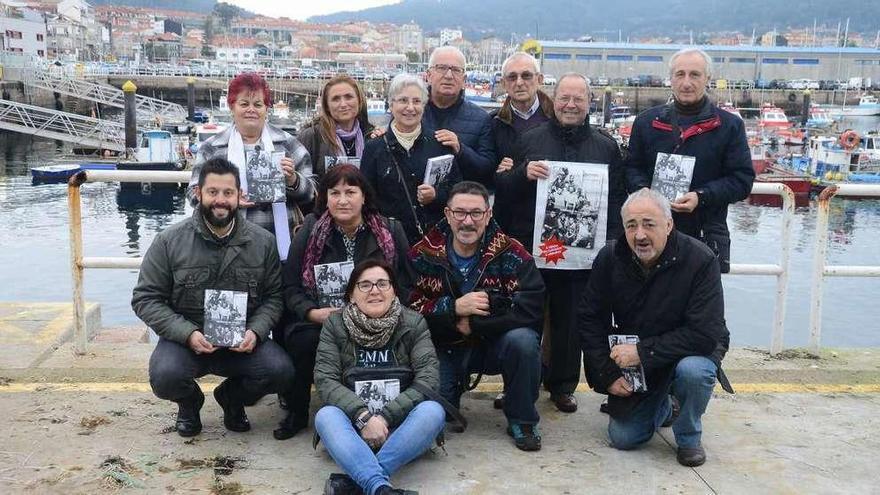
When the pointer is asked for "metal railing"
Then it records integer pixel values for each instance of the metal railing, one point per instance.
(79, 263)
(63, 126)
(820, 269)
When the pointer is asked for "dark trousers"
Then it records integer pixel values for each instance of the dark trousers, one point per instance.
(516, 355)
(301, 343)
(174, 368)
(564, 293)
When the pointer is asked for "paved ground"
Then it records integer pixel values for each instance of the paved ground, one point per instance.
(801, 423)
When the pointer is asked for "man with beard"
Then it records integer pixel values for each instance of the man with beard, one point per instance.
(482, 297)
(567, 137)
(217, 249)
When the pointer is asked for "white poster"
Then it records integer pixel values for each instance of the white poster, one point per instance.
(571, 212)
(672, 175)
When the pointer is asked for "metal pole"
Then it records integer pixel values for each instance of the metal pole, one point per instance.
(606, 106)
(805, 111)
(190, 98)
(776, 341)
(129, 90)
(819, 266)
(80, 338)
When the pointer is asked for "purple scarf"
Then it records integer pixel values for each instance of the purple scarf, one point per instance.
(355, 133)
(321, 233)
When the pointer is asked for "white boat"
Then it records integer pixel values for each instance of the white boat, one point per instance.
(820, 117)
(772, 117)
(281, 111)
(868, 105)
(829, 159)
(729, 108)
(375, 107)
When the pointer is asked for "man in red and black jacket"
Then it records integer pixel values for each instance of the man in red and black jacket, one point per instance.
(692, 126)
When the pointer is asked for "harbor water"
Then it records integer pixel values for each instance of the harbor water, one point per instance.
(35, 259)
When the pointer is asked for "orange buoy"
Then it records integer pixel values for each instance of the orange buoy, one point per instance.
(850, 139)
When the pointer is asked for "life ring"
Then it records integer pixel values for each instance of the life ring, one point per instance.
(792, 97)
(850, 139)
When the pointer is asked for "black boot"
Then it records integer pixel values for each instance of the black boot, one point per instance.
(189, 423)
(234, 417)
(341, 484)
(289, 426)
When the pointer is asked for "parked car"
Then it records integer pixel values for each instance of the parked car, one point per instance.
(802, 84)
(549, 80)
(601, 81)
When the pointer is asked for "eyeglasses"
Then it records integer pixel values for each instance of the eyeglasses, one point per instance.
(513, 76)
(405, 100)
(443, 69)
(383, 285)
(475, 215)
(565, 100)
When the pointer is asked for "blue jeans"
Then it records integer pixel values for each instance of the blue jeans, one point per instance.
(692, 384)
(371, 471)
(516, 355)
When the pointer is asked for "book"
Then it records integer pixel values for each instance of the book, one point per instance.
(376, 394)
(672, 175)
(225, 317)
(331, 279)
(634, 375)
(265, 179)
(332, 160)
(438, 169)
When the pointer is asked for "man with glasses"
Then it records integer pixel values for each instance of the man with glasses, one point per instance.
(566, 137)
(456, 122)
(482, 297)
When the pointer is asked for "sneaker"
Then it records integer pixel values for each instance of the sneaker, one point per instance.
(498, 403)
(341, 484)
(676, 410)
(387, 490)
(691, 456)
(565, 402)
(525, 436)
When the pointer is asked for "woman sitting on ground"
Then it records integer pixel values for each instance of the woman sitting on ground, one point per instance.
(346, 227)
(372, 334)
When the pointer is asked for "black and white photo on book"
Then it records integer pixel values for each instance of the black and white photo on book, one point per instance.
(438, 169)
(634, 375)
(331, 161)
(225, 317)
(376, 394)
(672, 175)
(331, 279)
(571, 208)
(265, 179)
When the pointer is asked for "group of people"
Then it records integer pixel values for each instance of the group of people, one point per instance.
(444, 286)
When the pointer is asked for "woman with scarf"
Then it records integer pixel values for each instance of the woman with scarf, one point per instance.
(338, 133)
(345, 227)
(373, 357)
(395, 163)
(251, 140)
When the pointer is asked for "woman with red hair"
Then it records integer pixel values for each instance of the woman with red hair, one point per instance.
(250, 138)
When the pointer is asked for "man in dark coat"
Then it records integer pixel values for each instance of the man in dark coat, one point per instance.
(567, 137)
(482, 296)
(456, 122)
(665, 288)
(692, 126)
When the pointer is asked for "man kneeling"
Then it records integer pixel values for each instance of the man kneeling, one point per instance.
(661, 289)
(215, 249)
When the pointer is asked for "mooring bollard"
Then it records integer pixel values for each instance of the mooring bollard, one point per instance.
(129, 90)
(805, 111)
(190, 98)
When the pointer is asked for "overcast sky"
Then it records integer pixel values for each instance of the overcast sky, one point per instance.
(301, 9)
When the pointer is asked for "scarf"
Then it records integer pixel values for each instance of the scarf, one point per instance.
(372, 333)
(355, 133)
(235, 154)
(320, 235)
(406, 139)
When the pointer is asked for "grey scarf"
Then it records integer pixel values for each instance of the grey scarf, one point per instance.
(372, 333)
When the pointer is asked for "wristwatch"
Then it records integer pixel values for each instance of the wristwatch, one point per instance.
(361, 421)
(701, 197)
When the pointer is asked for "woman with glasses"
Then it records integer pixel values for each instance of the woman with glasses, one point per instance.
(395, 164)
(345, 228)
(373, 357)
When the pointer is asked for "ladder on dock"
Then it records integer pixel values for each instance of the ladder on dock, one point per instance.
(147, 108)
(63, 126)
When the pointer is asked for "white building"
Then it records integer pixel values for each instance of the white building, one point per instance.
(232, 55)
(408, 38)
(447, 35)
(22, 31)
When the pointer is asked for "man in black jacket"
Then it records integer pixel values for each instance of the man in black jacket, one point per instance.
(567, 137)
(664, 287)
(482, 297)
(691, 126)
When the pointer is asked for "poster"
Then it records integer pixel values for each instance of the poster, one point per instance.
(571, 212)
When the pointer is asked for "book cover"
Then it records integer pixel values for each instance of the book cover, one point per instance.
(634, 375)
(225, 317)
(265, 180)
(438, 169)
(672, 175)
(376, 394)
(331, 279)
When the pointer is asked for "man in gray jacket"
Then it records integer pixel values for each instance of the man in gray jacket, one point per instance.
(214, 249)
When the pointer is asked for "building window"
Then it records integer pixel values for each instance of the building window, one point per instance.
(40, 53)
(805, 61)
(557, 56)
(650, 58)
(589, 56)
(718, 60)
(867, 62)
(39, 37)
(741, 60)
(620, 58)
(779, 61)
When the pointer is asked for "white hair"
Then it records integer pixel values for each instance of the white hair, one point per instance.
(687, 51)
(521, 56)
(568, 75)
(644, 193)
(403, 81)
(447, 49)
